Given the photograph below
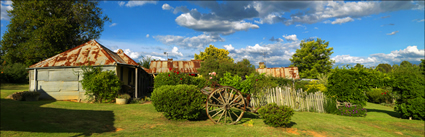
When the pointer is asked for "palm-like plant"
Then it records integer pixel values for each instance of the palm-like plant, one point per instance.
(323, 78)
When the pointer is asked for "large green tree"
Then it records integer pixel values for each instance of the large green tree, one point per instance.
(215, 53)
(313, 58)
(384, 67)
(40, 29)
(406, 64)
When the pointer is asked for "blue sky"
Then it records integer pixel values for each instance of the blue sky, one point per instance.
(366, 32)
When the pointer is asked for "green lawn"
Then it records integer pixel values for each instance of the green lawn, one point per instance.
(64, 118)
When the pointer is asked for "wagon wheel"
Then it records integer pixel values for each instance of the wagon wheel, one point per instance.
(225, 105)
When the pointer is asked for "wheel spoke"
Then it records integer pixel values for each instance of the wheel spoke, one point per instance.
(224, 111)
(215, 105)
(215, 109)
(230, 117)
(217, 99)
(225, 117)
(230, 96)
(222, 98)
(217, 113)
(235, 114)
(234, 100)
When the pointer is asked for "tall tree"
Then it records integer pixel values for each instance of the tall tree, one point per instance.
(384, 67)
(146, 62)
(313, 58)
(405, 64)
(215, 53)
(41, 29)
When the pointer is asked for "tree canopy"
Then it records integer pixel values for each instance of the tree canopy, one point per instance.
(215, 53)
(313, 58)
(405, 64)
(41, 29)
(384, 67)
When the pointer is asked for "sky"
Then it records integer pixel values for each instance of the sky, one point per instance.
(365, 32)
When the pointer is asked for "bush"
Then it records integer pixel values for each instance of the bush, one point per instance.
(124, 96)
(301, 84)
(354, 111)
(276, 116)
(330, 106)
(14, 73)
(379, 96)
(100, 85)
(409, 83)
(282, 81)
(174, 77)
(178, 101)
(314, 86)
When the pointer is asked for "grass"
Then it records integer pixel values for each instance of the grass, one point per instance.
(64, 118)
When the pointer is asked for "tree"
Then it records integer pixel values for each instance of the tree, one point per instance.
(215, 53)
(406, 64)
(384, 67)
(358, 65)
(146, 62)
(422, 66)
(313, 58)
(41, 29)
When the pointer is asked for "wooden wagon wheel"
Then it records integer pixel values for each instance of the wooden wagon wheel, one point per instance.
(225, 105)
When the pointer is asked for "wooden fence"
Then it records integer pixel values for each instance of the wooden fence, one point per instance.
(297, 100)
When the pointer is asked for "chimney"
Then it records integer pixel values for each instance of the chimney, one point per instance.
(262, 65)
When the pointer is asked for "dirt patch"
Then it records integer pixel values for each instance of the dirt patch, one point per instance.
(291, 130)
(399, 133)
(118, 129)
(315, 134)
(148, 102)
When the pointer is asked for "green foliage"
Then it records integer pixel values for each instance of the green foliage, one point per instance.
(241, 68)
(315, 86)
(330, 106)
(14, 73)
(348, 85)
(178, 101)
(253, 84)
(383, 67)
(174, 77)
(422, 66)
(301, 84)
(406, 64)
(30, 94)
(146, 62)
(353, 111)
(124, 96)
(214, 53)
(281, 81)
(102, 85)
(409, 83)
(42, 29)
(323, 78)
(276, 116)
(379, 96)
(313, 58)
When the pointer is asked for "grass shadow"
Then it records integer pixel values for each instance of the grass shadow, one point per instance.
(391, 113)
(30, 117)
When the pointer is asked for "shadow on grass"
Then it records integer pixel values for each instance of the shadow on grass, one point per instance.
(391, 113)
(30, 117)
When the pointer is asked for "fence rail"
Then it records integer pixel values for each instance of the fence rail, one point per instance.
(298, 100)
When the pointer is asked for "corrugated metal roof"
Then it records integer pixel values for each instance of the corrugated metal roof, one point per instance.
(90, 52)
(181, 66)
(288, 72)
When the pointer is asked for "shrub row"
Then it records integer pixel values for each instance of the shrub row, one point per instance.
(178, 101)
(174, 78)
(276, 116)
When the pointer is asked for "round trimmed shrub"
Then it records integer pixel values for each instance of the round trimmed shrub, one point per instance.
(178, 101)
(276, 116)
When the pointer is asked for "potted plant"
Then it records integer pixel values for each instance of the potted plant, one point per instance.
(31, 95)
(122, 99)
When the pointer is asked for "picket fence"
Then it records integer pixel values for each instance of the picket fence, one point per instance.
(297, 100)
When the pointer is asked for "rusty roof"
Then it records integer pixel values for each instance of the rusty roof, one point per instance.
(288, 72)
(181, 66)
(90, 52)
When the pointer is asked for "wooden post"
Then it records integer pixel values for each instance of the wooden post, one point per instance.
(35, 80)
(136, 83)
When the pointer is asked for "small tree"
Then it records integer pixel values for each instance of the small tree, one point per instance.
(146, 62)
(215, 53)
(100, 85)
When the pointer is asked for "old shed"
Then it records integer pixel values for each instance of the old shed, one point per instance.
(58, 77)
(283, 72)
(188, 67)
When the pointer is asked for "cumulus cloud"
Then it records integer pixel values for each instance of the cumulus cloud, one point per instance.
(131, 54)
(198, 42)
(183, 9)
(277, 40)
(316, 28)
(5, 6)
(133, 3)
(121, 3)
(342, 20)
(113, 24)
(392, 33)
(411, 54)
(383, 17)
(301, 26)
(419, 20)
(292, 37)
(194, 21)
(166, 7)
(175, 51)
(147, 35)
(229, 47)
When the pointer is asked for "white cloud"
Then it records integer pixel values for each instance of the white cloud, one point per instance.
(342, 20)
(292, 37)
(147, 35)
(419, 20)
(316, 28)
(214, 26)
(113, 24)
(121, 3)
(131, 54)
(198, 42)
(301, 26)
(166, 7)
(411, 54)
(392, 33)
(229, 47)
(133, 3)
(7, 6)
(175, 51)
